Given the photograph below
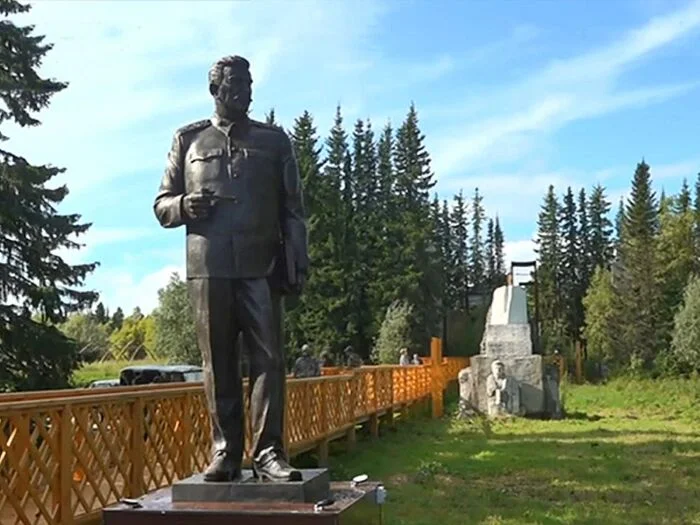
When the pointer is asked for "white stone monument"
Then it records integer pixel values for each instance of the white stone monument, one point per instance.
(507, 340)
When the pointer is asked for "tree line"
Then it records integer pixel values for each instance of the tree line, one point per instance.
(626, 289)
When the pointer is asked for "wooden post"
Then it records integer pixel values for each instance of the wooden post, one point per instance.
(137, 448)
(579, 362)
(186, 432)
(65, 467)
(436, 376)
(322, 449)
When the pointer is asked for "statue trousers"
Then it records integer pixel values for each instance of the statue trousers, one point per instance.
(223, 309)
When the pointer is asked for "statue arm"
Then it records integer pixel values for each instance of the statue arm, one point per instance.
(168, 203)
(293, 221)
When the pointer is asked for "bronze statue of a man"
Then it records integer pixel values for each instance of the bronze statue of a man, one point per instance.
(234, 183)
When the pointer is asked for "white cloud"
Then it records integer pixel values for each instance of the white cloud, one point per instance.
(96, 237)
(580, 87)
(122, 288)
(677, 170)
(127, 67)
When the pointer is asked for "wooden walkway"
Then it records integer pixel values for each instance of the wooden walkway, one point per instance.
(65, 455)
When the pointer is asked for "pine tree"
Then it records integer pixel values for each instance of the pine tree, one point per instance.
(459, 227)
(675, 259)
(637, 319)
(548, 251)
(270, 117)
(101, 315)
(453, 273)
(117, 319)
(32, 276)
(585, 266)
(490, 249)
(569, 276)
(476, 243)
(600, 237)
(499, 253)
(320, 314)
(413, 182)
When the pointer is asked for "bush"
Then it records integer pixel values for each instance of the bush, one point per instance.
(394, 334)
(684, 354)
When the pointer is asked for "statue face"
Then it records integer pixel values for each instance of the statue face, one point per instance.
(235, 91)
(498, 369)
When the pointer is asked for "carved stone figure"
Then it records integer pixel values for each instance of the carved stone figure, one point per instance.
(467, 402)
(306, 365)
(233, 183)
(503, 392)
(352, 358)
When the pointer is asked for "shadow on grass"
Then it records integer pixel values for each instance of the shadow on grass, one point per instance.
(458, 472)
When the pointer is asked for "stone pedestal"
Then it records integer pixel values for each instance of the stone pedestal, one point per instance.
(507, 338)
(350, 506)
(313, 487)
(527, 370)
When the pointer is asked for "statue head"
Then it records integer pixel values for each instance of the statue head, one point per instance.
(230, 84)
(347, 350)
(403, 351)
(498, 369)
(305, 350)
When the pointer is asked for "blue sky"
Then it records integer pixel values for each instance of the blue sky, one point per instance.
(512, 96)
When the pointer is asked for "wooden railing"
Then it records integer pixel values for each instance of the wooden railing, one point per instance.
(65, 455)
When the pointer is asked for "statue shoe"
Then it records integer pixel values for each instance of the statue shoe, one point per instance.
(270, 465)
(222, 468)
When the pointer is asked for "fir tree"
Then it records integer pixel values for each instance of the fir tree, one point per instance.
(33, 278)
(459, 228)
(270, 117)
(636, 321)
(548, 251)
(490, 249)
(499, 253)
(477, 255)
(413, 182)
(569, 276)
(600, 237)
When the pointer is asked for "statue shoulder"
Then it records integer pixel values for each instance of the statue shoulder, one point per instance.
(266, 126)
(194, 126)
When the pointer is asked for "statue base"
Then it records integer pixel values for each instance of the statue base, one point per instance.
(314, 486)
(351, 506)
(527, 370)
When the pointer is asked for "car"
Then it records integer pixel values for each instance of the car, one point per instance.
(147, 374)
(104, 383)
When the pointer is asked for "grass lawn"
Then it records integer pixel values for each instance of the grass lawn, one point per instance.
(105, 370)
(628, 453)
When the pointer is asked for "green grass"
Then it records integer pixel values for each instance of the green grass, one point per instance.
(105, 370)
(629, 453)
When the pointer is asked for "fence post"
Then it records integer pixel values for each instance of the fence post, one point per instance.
(138, 436)
(65, 467)
(436, 376)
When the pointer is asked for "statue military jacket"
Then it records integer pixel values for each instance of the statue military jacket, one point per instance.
(251, 168)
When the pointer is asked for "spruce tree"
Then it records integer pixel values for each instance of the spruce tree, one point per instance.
(413, 182)
(600, 237)
(476, 244)
(569, 270)
(490, 249)
(452, 271)
(637, 319)
(33, 278)
(270, 117)
(499, 253)
(548, 249)
(459, 227)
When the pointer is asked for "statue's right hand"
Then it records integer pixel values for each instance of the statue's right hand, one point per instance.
(197, 205)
